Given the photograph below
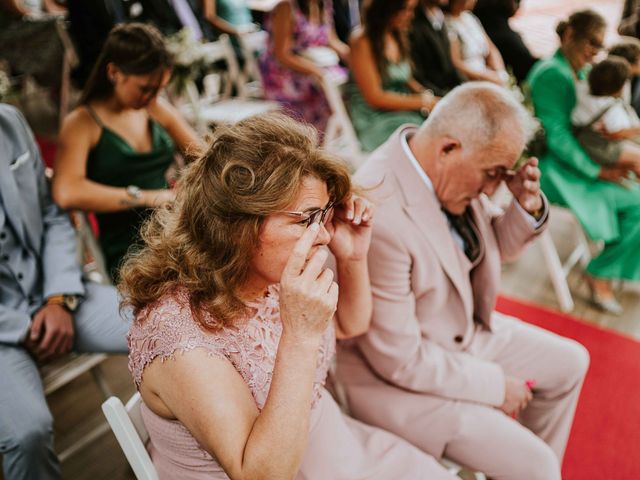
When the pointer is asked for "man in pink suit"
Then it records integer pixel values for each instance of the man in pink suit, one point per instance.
(439, 366)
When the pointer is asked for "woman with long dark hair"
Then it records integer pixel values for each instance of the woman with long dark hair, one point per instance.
(608, 211)
(384, 94)
(116, 147)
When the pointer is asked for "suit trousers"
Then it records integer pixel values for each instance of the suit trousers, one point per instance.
(26, 424)
(477, 435)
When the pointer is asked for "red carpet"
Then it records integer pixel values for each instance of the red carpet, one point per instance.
(605, 439)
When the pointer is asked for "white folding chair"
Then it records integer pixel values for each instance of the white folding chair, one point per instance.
(252, 44)
(558, 271)
(57, 374)
(128, 427)
(340, 136)
(225, 109)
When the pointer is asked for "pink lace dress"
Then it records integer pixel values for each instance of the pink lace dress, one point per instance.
(339, 448)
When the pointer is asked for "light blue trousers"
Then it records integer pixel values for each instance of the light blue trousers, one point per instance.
(26, 425)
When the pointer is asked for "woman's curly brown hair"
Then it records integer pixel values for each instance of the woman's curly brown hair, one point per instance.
(206, 241)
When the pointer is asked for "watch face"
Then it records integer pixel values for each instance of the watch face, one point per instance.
(71, 302)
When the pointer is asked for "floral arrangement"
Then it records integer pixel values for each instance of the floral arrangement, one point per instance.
(190, 62)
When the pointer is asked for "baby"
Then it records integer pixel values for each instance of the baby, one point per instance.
(629, 49)
(606, 126)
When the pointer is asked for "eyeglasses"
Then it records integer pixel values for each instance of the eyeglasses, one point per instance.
(321, 215)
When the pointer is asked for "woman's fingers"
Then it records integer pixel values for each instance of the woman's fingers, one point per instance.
(312, 270)
(356, 210)
(325, 280)
(298, 256)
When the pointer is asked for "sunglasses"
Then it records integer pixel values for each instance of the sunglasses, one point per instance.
(321, 215)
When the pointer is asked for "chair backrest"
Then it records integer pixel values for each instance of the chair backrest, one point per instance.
(128, 427)
(222, 49)
(252, 44)
(340, 136)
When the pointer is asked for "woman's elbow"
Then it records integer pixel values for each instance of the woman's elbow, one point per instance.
(63, 195)
(355, 329)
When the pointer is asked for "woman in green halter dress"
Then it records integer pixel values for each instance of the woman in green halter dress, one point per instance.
(384, 95)
(116, 147)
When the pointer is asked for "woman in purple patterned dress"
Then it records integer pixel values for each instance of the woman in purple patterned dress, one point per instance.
(288, 77)
(237, 316)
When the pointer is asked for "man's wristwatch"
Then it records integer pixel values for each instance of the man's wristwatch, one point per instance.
(69, 302)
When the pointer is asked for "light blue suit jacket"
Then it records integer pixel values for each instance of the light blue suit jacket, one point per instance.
(41, 260)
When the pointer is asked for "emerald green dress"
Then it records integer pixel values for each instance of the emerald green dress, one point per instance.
(606, 210)
(374, 126)
(115, 163)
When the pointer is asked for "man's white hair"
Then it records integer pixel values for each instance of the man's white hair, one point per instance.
(476, 112)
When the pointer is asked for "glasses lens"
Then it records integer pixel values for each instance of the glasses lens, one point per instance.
(323, 216)
(314, 217)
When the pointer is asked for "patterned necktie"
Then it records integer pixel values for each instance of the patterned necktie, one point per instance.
(462, 225)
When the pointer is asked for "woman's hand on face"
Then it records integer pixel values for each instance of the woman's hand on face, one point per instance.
(308, 294)
(350, 229)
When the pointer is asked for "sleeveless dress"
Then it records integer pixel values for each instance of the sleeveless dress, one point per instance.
(299, 94)
(115, 163)
(339, 448)
(373, 125)
(235, 12)
(468, 30)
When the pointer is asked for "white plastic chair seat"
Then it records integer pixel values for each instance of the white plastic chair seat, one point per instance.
(57, 374)
(224, 109)
(228, 111)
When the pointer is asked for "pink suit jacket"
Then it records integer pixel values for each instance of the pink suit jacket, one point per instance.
(428, 299)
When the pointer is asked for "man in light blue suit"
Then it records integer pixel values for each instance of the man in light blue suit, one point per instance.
(46, 309)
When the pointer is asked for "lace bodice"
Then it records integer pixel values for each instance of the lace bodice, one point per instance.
(167, 327)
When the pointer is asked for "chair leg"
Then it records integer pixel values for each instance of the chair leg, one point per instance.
(556, 272)
(98, 376)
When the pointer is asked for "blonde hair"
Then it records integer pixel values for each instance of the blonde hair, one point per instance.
(206, 241)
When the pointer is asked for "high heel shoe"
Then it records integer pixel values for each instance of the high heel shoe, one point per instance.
(608, 304)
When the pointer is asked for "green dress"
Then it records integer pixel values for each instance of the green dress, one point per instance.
(235, 12)
(115, 163)
(374, 126)
(606, 210)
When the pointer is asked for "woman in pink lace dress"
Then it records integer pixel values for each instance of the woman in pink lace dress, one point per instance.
(237, 316)
(289, 74)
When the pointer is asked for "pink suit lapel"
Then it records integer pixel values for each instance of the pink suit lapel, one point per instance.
(424, 210)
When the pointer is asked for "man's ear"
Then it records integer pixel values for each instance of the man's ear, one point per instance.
(448, 145)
